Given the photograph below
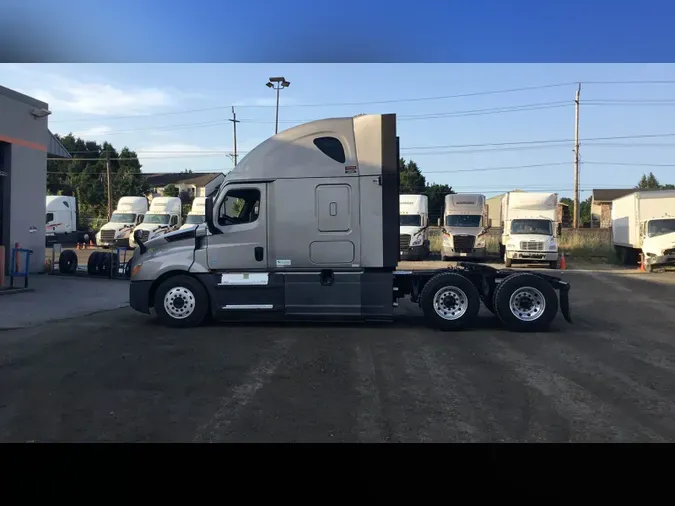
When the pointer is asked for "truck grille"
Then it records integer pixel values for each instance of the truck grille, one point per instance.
(463, 243)
(670, 251)
(531, 246)
(144, 235)
(107, 235)
(404, 241)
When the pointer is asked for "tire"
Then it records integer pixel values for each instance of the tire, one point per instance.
(508, 262)
(525, 286)
(104, 264)
(461, 290)
(92, 263)
(190, 291)
(68, 262)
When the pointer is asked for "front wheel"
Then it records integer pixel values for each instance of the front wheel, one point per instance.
(525, 302)
(450, 301)
(181, 301)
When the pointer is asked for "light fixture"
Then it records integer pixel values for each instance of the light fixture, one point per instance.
(40, 113)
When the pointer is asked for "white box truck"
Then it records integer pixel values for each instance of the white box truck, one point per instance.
(197, 213)
(465, 225)
(129, 213)
(644, 222)
(62, 221)
(165, 215)
(305, 227)
(414, 226)
(530, 229)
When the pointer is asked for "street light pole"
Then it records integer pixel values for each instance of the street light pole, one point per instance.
(280, 83)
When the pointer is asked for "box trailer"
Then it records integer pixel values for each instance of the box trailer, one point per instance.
(643, 223)
(306, 227)
(530, 229)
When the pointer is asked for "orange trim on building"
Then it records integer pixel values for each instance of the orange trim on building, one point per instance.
(25, 144)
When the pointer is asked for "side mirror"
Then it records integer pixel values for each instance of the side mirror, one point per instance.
(138, 237)
(208, 218)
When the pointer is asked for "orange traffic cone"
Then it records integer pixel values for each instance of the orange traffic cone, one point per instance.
(563, 262)
(91, 244)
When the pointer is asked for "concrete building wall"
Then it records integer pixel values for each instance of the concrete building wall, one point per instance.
(23, 200)
(495, 210)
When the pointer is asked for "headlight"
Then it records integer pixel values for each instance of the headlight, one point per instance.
(511, 245)
(447, 240)
(553, 246)
(417, 240)
(480, 242)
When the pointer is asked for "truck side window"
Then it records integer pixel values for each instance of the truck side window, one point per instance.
(174, 220)
(239, 206)
(332, 147)
(50, 217)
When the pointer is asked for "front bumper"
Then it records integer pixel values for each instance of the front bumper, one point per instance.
(660, 260)
(139, 296)
(474, 253)
(535, 256)
(413, 252)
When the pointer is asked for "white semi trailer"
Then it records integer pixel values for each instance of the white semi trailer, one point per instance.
(306, 227)
(644, 223)
(465, 224)
(530, 230)
(414, 226)
(197, 213)
(165, 215)
(129, 213)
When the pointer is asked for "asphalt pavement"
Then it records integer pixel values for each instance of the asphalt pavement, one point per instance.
(119, 376)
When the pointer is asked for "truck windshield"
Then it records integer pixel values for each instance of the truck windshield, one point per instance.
(161, 219)
(539, 227)
(660, 227)
(410, 220)
(195, 219)
(123, 218)
(463, 220)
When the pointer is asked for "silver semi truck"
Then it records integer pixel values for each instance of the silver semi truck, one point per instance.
(306, 227)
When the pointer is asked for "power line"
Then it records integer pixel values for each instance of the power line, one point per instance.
(335, 104)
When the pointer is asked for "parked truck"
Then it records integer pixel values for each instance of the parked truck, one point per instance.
(305, 228)
(165, 215)
(62, 224)
(465, 225)
(644, 223)
(530, 230)
(414, 227)
(129, 213)
(196, 215)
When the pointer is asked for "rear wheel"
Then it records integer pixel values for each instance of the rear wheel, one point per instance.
(525, 302)
(181, 301)
(92, 263)
(450, 301)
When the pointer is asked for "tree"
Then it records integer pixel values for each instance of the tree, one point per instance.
(411, 179)
(584, 209)
(649, 182)
(85, 175)
(436, 194)
(171, 190)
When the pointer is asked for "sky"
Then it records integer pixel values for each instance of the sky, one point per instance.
(480, 128)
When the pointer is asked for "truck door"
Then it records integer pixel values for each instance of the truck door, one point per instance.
(242, 218)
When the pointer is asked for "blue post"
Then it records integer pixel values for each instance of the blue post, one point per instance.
(23, 273)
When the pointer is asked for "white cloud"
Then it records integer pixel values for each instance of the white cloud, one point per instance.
(178, 150)
(93, 132)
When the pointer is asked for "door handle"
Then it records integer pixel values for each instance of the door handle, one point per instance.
(258, 251)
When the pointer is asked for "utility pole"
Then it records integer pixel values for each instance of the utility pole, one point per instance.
(576, 158)
(234, 121)
(107, 169)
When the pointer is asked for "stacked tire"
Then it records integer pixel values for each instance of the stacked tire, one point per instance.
(103, 263)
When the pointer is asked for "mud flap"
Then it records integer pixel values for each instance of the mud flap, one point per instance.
(565, 303)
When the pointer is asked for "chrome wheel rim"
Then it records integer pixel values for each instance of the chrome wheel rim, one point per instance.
(450, 303)
(527, 304)
(179, 302)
